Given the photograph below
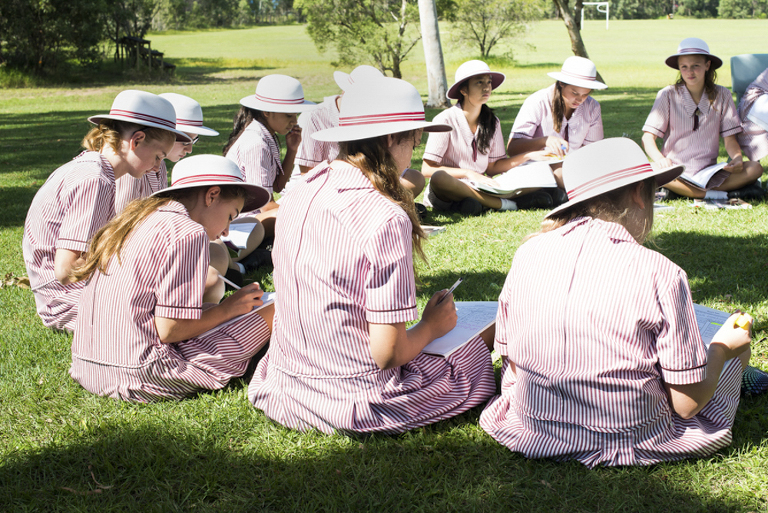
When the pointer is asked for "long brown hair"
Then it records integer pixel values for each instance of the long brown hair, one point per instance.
(110, 132)
(710, 79)
(612, 206)
(558, 107)
(376, 162)
(243, 118)
(109, 240)
(486, 123)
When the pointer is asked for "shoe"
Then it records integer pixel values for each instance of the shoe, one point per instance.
(257, 258)
(753, 381)
(535, 200)
(558, 196)
(468, 207)
(421, 211)
(752, 191)
(664, 194)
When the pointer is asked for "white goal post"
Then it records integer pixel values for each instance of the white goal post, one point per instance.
(601, 7)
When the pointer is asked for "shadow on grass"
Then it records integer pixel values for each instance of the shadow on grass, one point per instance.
(200, 71)
(442, 468)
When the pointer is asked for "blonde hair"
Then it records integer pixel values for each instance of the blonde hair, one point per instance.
(373, 158)
(612, 206)
(110, 132)
(109, 240)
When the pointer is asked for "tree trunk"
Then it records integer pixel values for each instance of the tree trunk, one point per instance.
(572, 24)
(433, 55)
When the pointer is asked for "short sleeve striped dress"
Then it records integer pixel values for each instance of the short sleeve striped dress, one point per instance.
(312, 152)
(71, 206)
(595, 324)
(116, 351)
(754, 139)
(129, 188)
(343, 260)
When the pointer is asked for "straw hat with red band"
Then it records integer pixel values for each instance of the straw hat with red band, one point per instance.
(579, 72)
(607, 165)
(360, 75)
(189, 114)
(278, 93)
(693, 46)
(210, 170)
(143, 108)
(386, 106)
(472, 69)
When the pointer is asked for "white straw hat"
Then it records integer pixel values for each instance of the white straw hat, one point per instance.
(145, 109)
(759, 112)
(579, 72)
(386, 106)
(210, 170)
(189, 114)
(606, 165)
(472, 69)
(693, 46)
(360, 75)
(278, 93)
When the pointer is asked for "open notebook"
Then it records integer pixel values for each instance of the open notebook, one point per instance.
(268, 298)
(474, 318)
(519, 180)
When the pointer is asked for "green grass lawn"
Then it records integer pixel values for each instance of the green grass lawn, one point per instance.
(64, 449)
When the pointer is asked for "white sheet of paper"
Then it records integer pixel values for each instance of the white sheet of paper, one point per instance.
(474, 318)
(239, 233)
(268, 298)
(709, 321)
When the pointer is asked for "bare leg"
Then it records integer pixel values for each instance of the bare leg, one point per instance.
(267, 220)
(267, 313)
(448, 188)
(488, 336)
(254, 239)
(683, 189)
(413, 181)
(751, 172)
(214, 287)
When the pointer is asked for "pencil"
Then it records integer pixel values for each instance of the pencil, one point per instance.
(229, 282)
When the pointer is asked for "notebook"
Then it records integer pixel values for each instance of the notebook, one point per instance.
(474, 318)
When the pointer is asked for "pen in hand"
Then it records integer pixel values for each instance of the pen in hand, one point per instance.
(458, 282)
(229, 282)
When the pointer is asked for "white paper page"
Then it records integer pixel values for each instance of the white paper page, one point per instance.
(268, 298)
(474, 317)
(239, 233)
(709, 321)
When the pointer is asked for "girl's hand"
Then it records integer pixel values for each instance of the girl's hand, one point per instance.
(440, 316)
(244, 300)
(663, 163)
(477, 177)
(736, 165)
(293, 138)
(539, 156)
(556, 146)
(733, 338)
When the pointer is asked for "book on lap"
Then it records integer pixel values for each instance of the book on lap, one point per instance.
(267, 299)
(474, 318)
(701, 179)
(519, 180)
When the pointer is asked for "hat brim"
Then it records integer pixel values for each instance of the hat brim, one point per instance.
(199, 130)
(180, 136)
(258, 196)
(294, 108)
(662, 176)
(359, 132)
(672, 60)
(342, 79)
(587, 84)
(496, 80)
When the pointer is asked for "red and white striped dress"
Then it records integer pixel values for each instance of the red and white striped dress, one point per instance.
(129, 188)
(311, 151)
(672, 117)
(71, 206)
(535, 119)
(595, 324)
(116, 351)
(754, 139)
(343, 260)
(258, 155)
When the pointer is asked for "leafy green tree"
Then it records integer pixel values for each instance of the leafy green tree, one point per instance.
(482, 24)
(382, 32)
(743, 8)
(698, 8)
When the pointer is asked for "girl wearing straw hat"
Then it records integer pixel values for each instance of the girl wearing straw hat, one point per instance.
(613, 371)
(253, 145)
(189, 119)
(144, 332)
(561, 118)
(691, 116)
(474, 150)
(79, 197)
(340, 358)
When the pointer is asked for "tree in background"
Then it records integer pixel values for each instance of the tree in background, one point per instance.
(381, 32)
(698, 8)
(743, 8)
(572, 20)
(634, 10)
(482, 24)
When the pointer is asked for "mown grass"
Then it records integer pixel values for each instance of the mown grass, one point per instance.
(63, 449)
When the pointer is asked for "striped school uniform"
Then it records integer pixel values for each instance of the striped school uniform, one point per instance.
(535, 120)
(674, 116)
(754, 139)
(313, 152)
(257, 153)
(71, 206)
(595, 324)
(129, 188)
(343, 260)
(116, 351)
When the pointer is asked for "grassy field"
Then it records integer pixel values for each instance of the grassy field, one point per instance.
(63, 449)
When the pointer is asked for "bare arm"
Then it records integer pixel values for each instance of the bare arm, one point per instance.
(392, 345)
(428, 168)
(552, 143)
(650, 147)
(736, 165)
(64, 261)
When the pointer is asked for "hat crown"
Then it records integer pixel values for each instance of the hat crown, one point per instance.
(693, 45)
(142, 106)
(280, 90)
(188, 111)
(579, 67)
(388, 100)
(205, 169)
(471, 69)
(362, 74)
